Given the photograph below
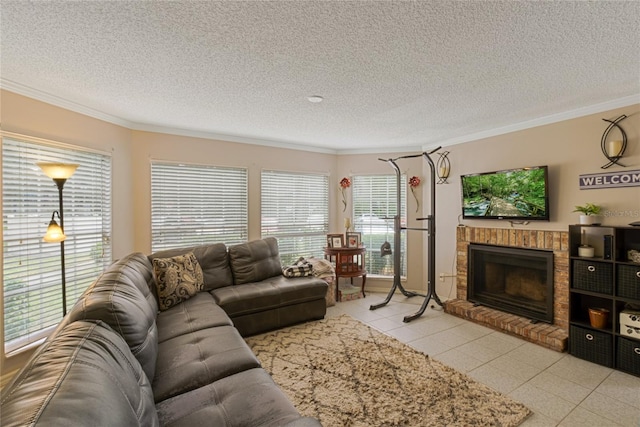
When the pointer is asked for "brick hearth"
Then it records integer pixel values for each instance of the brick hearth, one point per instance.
(547, 335)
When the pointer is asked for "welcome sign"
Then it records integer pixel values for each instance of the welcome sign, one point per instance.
(610, 180)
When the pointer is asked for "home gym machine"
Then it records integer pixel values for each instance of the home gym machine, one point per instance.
(431, 241)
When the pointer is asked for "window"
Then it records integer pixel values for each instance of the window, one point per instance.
(32, 268)
(295, 210)
(195, 205)
(374, 206)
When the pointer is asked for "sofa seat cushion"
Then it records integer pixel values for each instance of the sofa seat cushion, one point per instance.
(198, 312)
(116, 299)
(269, 294)
(84, 375)
(213, 259)
(192, 360)
(248, 398)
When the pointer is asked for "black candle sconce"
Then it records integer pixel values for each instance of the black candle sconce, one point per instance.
(443, 167)
(613, 149)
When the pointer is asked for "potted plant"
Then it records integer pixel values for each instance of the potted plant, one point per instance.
(590, 214)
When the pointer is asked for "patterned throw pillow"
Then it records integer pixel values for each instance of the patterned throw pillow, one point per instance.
(177, 279)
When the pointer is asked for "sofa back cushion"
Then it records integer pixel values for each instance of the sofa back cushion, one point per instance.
(115, 298)
(213, 259)
(85, 375)
(138, 268)
(255, 261)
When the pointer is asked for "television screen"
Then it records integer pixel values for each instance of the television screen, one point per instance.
(515, 194)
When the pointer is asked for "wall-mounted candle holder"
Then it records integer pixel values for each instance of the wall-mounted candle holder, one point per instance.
(613, 149)
(443, 167)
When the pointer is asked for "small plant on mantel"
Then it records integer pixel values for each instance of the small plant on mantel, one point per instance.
(590, 214)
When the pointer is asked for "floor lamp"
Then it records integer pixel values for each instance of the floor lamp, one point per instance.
(59, 172)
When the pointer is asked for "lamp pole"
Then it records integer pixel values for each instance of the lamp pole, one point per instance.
(60, 183)
(59, 172)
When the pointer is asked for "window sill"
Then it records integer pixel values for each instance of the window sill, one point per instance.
(24, 349)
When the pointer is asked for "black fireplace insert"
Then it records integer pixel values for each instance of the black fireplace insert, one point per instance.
(514, 280)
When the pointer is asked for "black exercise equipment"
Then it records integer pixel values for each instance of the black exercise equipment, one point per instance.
(431, 242)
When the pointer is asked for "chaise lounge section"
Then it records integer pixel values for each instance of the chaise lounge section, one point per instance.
(121, 357)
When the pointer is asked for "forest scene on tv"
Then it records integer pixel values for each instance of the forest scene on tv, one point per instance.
(517, 193)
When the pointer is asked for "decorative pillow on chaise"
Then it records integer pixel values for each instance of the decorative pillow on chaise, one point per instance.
(177, 279)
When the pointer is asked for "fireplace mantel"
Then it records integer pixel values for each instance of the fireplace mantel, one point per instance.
(552, 336)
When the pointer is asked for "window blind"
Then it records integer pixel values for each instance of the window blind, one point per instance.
(374, 201)
(195, 204)
(295, 210)
(32, 268)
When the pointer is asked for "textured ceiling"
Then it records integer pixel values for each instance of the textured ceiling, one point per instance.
(394, 74)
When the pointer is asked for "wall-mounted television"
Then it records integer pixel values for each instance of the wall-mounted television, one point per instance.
(520, 194)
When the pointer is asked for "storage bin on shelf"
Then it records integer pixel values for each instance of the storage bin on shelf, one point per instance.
(593, 276)
(591, 345)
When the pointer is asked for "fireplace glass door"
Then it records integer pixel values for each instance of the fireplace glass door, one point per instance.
(514, 280)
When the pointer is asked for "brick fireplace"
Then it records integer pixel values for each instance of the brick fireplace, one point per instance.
(553, 335)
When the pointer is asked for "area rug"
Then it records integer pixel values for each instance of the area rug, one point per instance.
(345, 373)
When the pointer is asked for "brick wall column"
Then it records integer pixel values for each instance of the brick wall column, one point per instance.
(556, 241)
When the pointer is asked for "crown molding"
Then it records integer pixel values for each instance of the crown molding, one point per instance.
(380, 150)
(541, 121)
(48, 98)
(57, 101)
(230, 138)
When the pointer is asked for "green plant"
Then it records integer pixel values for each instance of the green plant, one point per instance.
(589, 209)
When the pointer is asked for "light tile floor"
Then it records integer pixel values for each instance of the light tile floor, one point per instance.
(560, 389)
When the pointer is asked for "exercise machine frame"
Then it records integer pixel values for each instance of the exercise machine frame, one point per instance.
(431, 241)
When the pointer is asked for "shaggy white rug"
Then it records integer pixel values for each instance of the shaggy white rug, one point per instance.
(345, 373)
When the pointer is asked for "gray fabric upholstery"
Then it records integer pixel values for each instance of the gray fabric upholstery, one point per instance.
(264, 321)
(199, 358)
(268, 294)
(213, 259)
(255, 261)
(251, 396)
(114, 356)
(85, 376)
(115, 299)
(199, 312)
(138, 268)
(273, 303)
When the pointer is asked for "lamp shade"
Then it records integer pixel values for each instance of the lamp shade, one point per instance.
(54, 233)
(58, 170)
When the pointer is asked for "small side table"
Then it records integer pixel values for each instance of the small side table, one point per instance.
(349, 262)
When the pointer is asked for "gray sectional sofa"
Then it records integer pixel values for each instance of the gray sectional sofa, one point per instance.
(117, 360)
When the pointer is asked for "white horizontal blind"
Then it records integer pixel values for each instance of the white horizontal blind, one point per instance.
(295, 210)
(32, 268)
(194, 204)
(374, 206)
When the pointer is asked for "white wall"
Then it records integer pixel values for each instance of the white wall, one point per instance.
(570, 148)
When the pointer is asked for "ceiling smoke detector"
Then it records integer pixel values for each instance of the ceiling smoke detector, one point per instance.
(315, 99)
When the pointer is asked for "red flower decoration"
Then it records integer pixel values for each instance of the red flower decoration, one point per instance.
(414, 181)
(344, 184)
